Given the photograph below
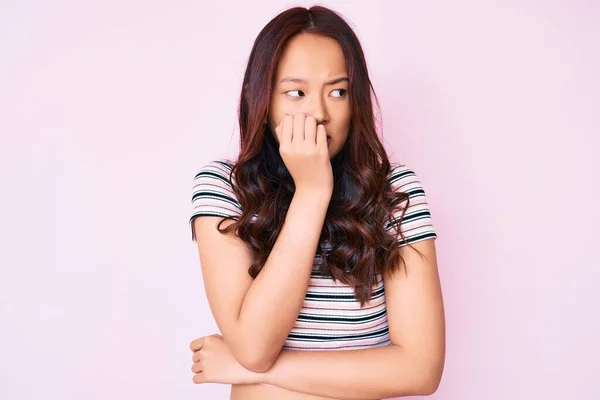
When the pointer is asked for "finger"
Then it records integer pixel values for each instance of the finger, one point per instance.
(197, 356)
(298, 135)
(310, 130)
(287, 129)
(197, 368)
(278, 128)
(321, 136)
(199, 378)
(197, 344)
(278, 133)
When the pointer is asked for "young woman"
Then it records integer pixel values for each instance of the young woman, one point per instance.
(317, 254)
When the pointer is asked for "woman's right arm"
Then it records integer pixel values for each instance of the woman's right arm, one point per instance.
(256, 316)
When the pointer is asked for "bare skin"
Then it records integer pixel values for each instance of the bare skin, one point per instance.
(263, 392)
(316, 61)
(321, 91)
(248, 356)
(310, 97)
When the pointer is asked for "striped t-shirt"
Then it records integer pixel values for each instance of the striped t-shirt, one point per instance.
(331, 318)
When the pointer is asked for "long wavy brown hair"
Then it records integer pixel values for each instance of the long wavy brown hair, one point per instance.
(362, 201)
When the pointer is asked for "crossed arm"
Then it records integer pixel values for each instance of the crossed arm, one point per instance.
(411, 365)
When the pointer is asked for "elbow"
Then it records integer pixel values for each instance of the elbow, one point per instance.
(256, 361)
(257, 365)
(252, 353)
(429, 387)
(423, 379)
(430, 380)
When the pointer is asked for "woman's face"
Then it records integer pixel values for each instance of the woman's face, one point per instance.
(311, 78)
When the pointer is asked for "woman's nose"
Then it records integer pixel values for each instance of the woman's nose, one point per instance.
(318, 110)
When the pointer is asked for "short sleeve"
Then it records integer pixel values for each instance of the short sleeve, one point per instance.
(416, 224)
(212, 194)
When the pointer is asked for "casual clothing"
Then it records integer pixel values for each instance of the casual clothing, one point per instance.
(331, 318)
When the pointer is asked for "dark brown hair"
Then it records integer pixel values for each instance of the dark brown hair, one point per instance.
(362, 201)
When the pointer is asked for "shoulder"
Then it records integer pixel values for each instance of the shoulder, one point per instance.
(217, 169)
(212, 192)
(213, 179)
(414, 215)
(404, 179)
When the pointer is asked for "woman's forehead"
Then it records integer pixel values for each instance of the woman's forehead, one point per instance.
(310, 57)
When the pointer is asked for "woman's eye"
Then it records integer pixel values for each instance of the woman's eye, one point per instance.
(300, 93)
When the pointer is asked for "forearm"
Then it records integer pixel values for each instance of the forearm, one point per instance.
(276, 295)
(374, 373)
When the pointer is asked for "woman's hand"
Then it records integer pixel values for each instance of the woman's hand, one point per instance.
(214, 363)
(304, 150)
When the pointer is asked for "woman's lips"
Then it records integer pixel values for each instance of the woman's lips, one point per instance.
(328, 140)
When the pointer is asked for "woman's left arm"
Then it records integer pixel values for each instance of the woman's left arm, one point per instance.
(412, 365)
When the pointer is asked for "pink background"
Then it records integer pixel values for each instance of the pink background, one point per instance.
(108, 108)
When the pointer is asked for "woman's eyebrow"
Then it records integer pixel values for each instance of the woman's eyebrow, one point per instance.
(300, 80)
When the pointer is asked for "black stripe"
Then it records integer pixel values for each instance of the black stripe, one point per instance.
(416, 238)
(398, 174)
(383, 343)
(408, 218)
(332, 296)
(337, 309)
(354, 320)
(320, 337)
(208, 194)
(225, 164)
(214, 175)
